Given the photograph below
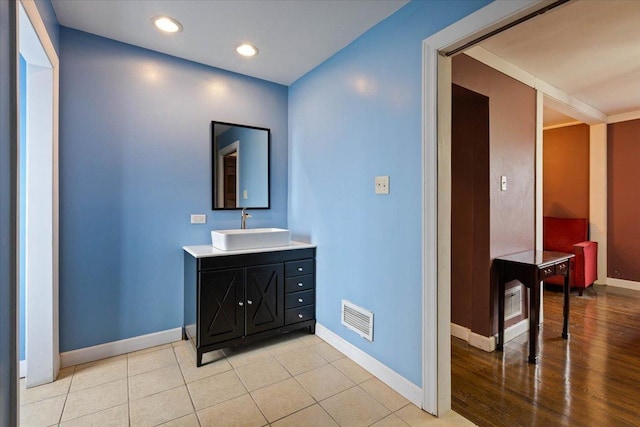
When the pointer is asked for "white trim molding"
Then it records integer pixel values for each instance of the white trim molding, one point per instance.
(116, 348)
(624, 117)
(400, 384)
(23, 368)
(460, 332)
(42, 192)
(488, 344)
(621, 283)
(554, 97)
(598, 194)
(515, 330)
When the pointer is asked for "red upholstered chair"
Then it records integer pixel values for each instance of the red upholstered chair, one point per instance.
(570, 235)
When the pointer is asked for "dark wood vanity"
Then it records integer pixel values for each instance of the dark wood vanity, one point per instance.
(237, 297)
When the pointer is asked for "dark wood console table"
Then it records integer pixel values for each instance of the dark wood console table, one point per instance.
(531, 268)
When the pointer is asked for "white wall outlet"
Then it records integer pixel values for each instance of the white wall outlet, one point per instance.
(382, 184)
(199, 219)
(503, 183)
(245, 194)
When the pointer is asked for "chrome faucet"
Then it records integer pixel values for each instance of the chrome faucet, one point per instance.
(245, 215)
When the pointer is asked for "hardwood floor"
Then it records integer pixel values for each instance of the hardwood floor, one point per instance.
(592, 379)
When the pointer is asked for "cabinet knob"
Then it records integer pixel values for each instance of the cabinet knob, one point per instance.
(241, 304)
(299, 299)
(300, 316)
(300, 284)
(249, 302)
(299, 268)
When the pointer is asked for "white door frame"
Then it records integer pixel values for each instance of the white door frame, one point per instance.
(42, 240)
(436, 191)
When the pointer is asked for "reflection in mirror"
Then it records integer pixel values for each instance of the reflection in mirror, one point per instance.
(240, 166)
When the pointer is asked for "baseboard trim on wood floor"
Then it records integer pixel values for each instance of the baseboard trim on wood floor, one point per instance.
(400, 384)
(626, 284)
(488, 344)
(116, 348)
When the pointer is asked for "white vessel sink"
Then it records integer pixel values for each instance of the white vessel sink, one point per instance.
(251, 238)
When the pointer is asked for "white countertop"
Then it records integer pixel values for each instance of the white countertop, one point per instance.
(204, 251)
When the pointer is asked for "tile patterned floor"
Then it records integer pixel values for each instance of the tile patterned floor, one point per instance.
(290, 381)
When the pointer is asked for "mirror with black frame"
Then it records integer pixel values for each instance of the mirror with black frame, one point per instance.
(240, 166)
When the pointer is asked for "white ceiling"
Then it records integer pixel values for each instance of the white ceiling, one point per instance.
(293, 37)
(588, 49)
(552, 117)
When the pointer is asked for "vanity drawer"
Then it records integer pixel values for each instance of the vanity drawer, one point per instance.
(301, 314)
(298, 299)
(298, 268)
(301, 283)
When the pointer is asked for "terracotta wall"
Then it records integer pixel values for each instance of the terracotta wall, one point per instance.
(566, 172)
(512, 124)
(623, 200)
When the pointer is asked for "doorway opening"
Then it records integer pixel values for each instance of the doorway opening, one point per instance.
(437, 79)
(38, 208)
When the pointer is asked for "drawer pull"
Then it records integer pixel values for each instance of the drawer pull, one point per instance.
(249, 302)
(300, 284)
(300, 316)
(299, 268)
(300, 300)
(241, 304)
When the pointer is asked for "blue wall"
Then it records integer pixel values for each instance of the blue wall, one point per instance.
(356, 116)
(23, 200)
(48, 15)
(135, 138)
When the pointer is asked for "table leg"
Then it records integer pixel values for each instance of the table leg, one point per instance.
(500, 342)
(534, 309)
(565, 311)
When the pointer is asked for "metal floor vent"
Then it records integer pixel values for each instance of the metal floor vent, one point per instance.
(357, 319)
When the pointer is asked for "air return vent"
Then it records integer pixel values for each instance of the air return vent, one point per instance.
(512, 302)
(357, 319)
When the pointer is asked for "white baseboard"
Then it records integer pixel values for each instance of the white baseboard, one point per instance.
(488, 344)
(400, 384)
(23, 368)
(626, 284)
(460, 332)
(514, 330)
(116, 348)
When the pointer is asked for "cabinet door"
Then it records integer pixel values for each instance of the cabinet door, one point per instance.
(265, 298)
(221, 309)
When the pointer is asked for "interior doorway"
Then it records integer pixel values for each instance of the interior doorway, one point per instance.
(38, 189)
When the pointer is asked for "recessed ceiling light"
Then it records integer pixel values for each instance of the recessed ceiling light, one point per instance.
(246, 49)
(166, 24)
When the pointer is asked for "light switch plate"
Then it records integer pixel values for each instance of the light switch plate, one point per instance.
(382, 184)
(503, 183)
(199, 219)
